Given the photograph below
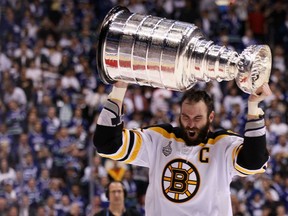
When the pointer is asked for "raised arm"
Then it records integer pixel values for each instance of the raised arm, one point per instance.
(108, 134)
(253, 154)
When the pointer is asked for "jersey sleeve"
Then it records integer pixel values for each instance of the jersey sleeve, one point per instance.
(113, 141)
(252, 156)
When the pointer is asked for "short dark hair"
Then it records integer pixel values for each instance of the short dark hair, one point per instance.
(193, 95)
(108, 188)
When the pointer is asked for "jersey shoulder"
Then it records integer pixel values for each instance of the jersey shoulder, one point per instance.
(222, 132)
(218, 135)
(166, 130)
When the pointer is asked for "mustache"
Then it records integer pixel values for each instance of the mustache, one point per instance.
(201, 134)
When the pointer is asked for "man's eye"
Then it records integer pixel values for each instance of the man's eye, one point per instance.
(185, 118)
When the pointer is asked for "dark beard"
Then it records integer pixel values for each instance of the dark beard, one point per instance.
(201, 138)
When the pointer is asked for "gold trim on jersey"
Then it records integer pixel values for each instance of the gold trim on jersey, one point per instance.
(136, 147)
(241, 170)
(212, 141)
(249, 172)
(123, 149)
(232, 132)
(166, 134)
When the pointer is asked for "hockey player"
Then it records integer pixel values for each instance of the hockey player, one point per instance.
(190, 167)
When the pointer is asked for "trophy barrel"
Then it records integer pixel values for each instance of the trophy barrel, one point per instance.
(144, 50)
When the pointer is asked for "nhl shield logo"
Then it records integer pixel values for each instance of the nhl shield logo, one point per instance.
(167, 149)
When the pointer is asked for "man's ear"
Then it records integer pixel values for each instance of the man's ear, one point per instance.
(211, 116)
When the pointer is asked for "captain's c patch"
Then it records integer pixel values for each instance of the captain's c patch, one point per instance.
(180, 181)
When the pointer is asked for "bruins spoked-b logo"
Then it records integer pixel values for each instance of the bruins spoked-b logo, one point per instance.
(180, 181)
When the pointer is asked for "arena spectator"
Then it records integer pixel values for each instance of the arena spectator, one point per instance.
(62, 151)
(232, 98)
(65, 109)
(64, 205)
(50, 125)
(278, 125)
(30, 189)
(44, 179)
(8, 192)
(281, 146)
(50, 206)
(7, 173)
(14, 93)
(131, 188)
(29, 169)
(94, 207)
(6, 143)
(96, 170)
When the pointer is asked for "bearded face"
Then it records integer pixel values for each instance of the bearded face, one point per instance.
(194, 136)
(195, 122)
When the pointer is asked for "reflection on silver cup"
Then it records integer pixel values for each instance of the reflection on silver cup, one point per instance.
(163, 53)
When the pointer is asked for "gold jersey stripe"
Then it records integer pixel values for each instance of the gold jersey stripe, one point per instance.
(167, 135)
(123, 148)
(241, 169)
(212, 141)
(248, 172)
(234, 155)
(236, 152)
(136, 147)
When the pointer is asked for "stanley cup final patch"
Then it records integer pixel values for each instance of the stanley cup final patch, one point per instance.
(167, 149)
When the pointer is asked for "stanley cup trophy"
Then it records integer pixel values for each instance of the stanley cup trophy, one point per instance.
(162, 53)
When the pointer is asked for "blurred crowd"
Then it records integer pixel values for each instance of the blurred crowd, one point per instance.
(51, 96)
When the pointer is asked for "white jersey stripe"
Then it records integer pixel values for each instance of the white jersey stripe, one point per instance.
(255, 133)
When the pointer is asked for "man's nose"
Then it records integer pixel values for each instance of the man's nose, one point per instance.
(191, 124)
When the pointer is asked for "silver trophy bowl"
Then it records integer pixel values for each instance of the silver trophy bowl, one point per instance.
(162, 53)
